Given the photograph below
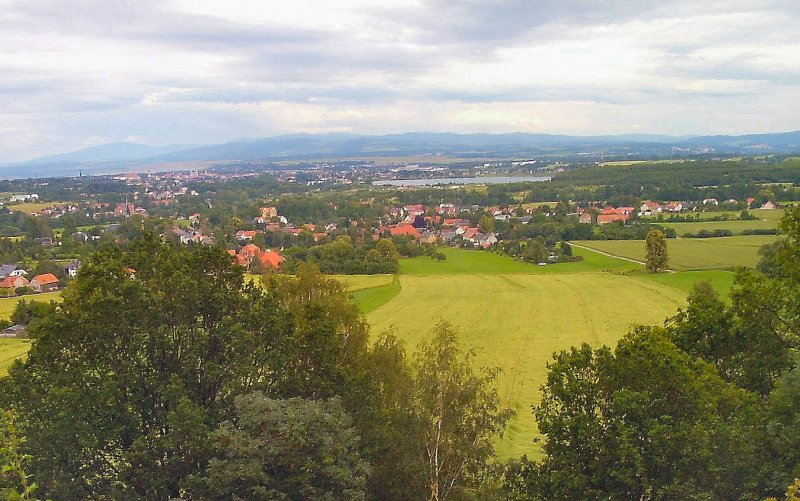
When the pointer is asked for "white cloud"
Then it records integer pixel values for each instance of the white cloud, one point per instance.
(199, 71)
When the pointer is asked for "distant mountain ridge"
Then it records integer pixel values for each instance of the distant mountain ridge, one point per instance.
(116, 157)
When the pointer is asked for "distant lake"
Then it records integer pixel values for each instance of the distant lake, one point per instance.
(463, 180)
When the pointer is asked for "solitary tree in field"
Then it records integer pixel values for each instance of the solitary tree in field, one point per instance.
(655, 251)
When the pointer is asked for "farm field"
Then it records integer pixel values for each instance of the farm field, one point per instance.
(10, 350)
(515, 315)
(28, 207)
(767, 220)
(7, 304)
(693, 253)
(360, 282)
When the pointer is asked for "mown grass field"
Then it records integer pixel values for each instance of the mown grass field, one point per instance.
(7, 304)
(360, 282)
(767, 220)
(28, 207)
(516, 315)
(693, 253)
(11, 349)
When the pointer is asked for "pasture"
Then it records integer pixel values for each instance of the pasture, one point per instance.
(359, 282)
(693, 253)
(767, 220)
(10, 350)
(28, 207)
(516, 315)
(7, 304)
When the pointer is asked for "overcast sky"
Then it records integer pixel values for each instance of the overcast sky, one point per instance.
(80, 73)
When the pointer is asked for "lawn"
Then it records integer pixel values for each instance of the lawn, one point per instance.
(694, 253)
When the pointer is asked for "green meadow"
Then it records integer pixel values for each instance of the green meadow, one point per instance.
(693, 253)
(11, 349)
(767, 220)
(516, 315)
(7, 304)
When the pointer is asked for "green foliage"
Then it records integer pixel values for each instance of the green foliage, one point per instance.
(486, 224)
(283, 449)
(693, 253)
(458, 412)
(792, 493)
(656, 251)
(120, 409)
(342, 257)
(26, 311)
(15, 482)
(645, 421)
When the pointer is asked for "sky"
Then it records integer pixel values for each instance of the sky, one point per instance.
(76, 73)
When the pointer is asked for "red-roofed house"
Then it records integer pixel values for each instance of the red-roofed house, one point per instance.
(246, 234)
(270, 258)
(470, 232)
(405, 229)
(13, 282)
(252, 252)
(44, 282)
(415, 210)
(610, 218)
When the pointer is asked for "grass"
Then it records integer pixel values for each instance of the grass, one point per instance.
(10, 350)
(28, 207)
(359, 282)
(767, 220)
(7, 304)
(686, 280)
(626, 163)
(515, 314)
(694, 253)
(516, 321)
(474, 262)
(369, 300)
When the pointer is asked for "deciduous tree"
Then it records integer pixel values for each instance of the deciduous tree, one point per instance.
(656, 251)
(458, 412)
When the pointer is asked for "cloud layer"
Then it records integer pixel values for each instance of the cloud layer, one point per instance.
(77, 73)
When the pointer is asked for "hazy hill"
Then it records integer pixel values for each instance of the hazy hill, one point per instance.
(116, 157)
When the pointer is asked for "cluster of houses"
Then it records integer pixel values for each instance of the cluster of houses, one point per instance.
(251, 254)
(13, 277)
(650, 208)
(190, 234)
(414, 223)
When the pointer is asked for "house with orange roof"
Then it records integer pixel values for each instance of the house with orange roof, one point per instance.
(44, 282)
(244, 235)
(252, 253)
(13, 282)
(610, 218)
(405, 229)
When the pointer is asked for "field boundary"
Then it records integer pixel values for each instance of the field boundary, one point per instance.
(615, 256)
